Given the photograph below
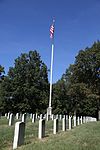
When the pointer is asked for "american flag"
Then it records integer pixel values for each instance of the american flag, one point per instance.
(52, 30)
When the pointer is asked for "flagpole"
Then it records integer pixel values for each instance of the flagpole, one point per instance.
(49, 110)
(51, 74)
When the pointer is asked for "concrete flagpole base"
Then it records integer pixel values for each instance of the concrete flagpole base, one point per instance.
(49, 113)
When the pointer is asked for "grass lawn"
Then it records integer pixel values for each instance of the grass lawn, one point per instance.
(83, 137)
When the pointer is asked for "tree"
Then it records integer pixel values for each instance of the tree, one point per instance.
(27, 84)
(59, 102)
(81, 100)
(1, 80)
(83, 81)
(86, 66)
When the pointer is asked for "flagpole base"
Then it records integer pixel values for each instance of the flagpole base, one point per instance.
(49, 111)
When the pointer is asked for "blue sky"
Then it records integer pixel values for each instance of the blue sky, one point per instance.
(24, 26)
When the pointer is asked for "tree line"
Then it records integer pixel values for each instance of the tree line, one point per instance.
(26, 87)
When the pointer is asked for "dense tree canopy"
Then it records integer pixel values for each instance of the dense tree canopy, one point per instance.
(85, 70)
(86, 67)
(82, 82)
(60, 100)
(26, 86)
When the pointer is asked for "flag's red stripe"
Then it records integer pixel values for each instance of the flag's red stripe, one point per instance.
(51, 31)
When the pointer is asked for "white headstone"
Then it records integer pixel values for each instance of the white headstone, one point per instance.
(48, 117)
(45, 116)
(60, 117)
(64, 123)
(11, 120)
(5, 114)
(84, 120)
(41, 116)
(36, 116)
(81, 120)
(19, 134)
(78, 121)
(57, 116)
(55, 127)
(74, 121)
(8, 116)
(94, 119)
(70, 123)
(33, 118)
(24, 117)
(66, 117)
(52, 116)
(41, 132)
(17, 116)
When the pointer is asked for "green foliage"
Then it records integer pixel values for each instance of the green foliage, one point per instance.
(1, 80)
(81, 100)
(26, 86)
(1, 73)
(85, 71)
(80, 85)
(1, 70)
(59, 102)
(86, 65)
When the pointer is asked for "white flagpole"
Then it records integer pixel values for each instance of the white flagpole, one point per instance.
(50, 97)
(49, 110)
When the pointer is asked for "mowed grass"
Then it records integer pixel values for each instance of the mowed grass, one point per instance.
(83, 137)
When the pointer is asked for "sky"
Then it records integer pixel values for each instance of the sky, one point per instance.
(25, 24)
